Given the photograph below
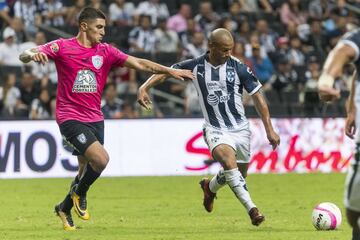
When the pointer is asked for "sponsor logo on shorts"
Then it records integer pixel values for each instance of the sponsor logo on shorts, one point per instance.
(82, 138)
(214, 139)
(216, 132)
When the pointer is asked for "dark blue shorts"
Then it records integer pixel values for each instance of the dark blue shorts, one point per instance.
(80, 135)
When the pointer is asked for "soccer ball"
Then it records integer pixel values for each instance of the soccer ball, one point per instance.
(326, 216)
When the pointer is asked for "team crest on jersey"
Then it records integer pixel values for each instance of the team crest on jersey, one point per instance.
(97, 61)
(82, 138)
(85, 82)
(54, 47)
(230, 76)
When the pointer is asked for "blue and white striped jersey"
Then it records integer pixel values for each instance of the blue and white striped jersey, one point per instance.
(352, 38)
(220, 90)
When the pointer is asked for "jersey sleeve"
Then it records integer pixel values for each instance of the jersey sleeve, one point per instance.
(187, 64)
(51, 49)
(353, 40)
(247, 78)
(117, 58)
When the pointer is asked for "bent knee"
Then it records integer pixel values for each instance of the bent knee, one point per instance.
(100, 161)
(224, 153)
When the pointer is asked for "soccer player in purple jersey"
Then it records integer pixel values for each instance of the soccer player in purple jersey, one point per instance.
(220, 81)
(83, 64)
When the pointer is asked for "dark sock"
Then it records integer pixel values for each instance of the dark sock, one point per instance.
(67, 204)
(355, 235)
(89, 177)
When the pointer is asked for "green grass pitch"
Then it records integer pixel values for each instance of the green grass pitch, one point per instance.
(142, 208)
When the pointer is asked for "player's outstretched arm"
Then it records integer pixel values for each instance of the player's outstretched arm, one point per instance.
(33, 55)
(333, 68)
(263, 111)
(143, 97)
(152, 67)
(350, 124)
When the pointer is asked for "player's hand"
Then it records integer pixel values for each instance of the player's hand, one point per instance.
(40, 58)
(328, 94)
(350, 125)
(181, 74)
(143, 99)
(274, 139)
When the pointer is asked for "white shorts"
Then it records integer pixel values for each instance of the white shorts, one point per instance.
(352, 188)
(239, 140)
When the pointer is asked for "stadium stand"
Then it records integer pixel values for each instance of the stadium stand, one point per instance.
(295, 99)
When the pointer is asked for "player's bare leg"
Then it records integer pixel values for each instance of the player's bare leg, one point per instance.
(97, 158)
(225, 154)
(353, 219)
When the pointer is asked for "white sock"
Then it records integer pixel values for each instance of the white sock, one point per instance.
(218, 181)
(238, 185)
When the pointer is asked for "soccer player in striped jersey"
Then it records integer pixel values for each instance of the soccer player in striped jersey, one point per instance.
(347, 51)
(220, 80)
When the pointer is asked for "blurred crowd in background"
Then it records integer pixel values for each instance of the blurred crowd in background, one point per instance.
(285, 43)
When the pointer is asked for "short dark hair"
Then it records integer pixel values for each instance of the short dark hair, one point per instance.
(89, 14)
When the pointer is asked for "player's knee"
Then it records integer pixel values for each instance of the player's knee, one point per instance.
(224, 156)
(225, 159)
(104, 161)
(100, 161)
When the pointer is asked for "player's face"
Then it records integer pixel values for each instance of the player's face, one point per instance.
(95, 30)
(222, 51)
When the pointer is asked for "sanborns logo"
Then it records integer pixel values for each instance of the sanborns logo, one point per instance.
(85, 82)
(97, 61)
(212, 99)
(82, 138)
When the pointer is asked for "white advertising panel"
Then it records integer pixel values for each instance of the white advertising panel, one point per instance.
(155, 147)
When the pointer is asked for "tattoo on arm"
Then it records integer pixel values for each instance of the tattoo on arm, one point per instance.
(153, 67)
